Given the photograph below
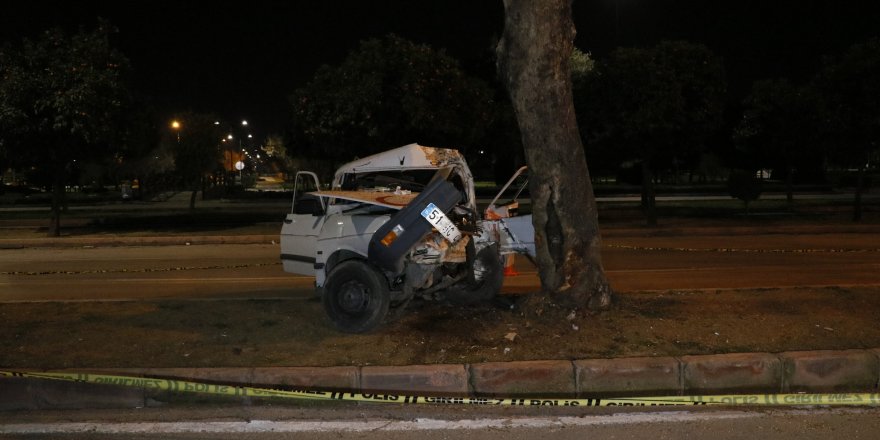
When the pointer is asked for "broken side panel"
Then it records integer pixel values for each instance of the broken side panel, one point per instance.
(518, 235)
(394, 239)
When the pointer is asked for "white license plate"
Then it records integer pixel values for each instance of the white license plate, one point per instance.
(438, 219)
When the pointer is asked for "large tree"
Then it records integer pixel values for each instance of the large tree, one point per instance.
(654, 106)
(389, 92)
(61, 101)
(534, 63)
(850, 89)
(779, 130)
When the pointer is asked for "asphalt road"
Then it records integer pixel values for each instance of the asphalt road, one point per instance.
(254, 271)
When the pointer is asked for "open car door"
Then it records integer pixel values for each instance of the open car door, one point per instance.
(302, 225)
(516, 232)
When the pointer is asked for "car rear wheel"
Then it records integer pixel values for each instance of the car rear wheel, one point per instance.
(356, 297)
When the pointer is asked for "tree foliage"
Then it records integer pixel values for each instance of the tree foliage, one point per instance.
(388, 92)
(850, 89)
(61, 99)
(779, 129)
(581, 65)
(652, 105)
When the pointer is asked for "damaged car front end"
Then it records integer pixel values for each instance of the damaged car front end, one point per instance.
(395, 226)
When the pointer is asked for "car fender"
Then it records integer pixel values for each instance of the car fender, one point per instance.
(344, 237)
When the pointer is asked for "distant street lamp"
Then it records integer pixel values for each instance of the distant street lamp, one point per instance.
(175, 125)
(232, 154)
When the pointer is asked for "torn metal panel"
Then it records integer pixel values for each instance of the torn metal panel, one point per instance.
(388, 199)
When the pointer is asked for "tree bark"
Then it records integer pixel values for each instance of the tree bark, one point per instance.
(789, 188)
(58, 195)
(857, 198)
(533, 62)
(649, 194)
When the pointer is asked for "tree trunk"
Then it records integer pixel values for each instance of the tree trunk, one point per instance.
(58, 196)
(857, 201)
(533, 62)
(789, 187)
(649, 195)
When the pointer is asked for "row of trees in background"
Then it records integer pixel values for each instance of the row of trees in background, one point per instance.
(832, 120)
(657, 107)
(68, 113)
(62, 100)
(391, 92)
(662, 110)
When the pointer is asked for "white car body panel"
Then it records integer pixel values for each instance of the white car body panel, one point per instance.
(343, 232)
(519, 235)
(299, 235)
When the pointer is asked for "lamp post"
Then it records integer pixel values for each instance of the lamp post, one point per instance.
(175, 125)
(244, 123)
(237, 165)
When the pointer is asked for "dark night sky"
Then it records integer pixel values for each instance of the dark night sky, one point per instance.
(243, 59)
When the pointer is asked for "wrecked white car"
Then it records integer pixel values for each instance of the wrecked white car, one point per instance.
(399, 225)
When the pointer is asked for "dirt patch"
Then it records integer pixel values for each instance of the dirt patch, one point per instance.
(234, 333)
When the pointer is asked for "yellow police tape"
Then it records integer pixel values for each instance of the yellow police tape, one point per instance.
(172, 385)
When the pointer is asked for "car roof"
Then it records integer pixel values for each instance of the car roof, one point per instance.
(407, 157)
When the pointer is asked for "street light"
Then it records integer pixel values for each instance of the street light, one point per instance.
(240, 134)
(175, 125)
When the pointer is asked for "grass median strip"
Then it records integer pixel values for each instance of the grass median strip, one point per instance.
(285, 332)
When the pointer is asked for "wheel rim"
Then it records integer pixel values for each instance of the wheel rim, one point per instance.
(480, 270)
(354, 297)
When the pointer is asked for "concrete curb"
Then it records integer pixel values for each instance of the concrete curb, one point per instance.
(737, 373)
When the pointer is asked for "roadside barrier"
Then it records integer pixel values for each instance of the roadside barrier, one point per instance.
(182, 386)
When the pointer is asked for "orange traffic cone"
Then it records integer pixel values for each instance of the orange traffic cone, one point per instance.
(509, 270)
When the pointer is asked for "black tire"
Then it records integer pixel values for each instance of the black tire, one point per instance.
(484, 284)
(356, 297)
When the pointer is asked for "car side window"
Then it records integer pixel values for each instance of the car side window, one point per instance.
(303, 202)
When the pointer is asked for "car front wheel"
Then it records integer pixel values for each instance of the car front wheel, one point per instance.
(356, 297)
